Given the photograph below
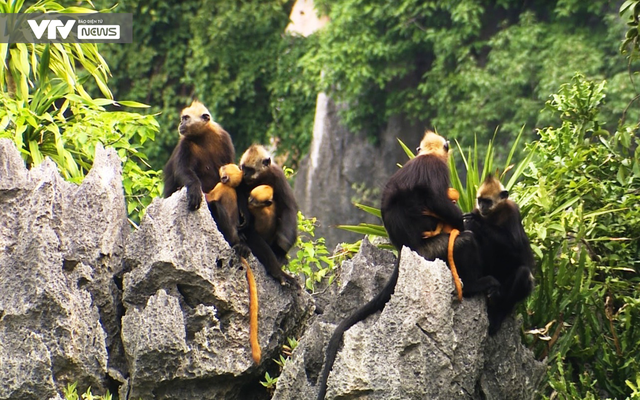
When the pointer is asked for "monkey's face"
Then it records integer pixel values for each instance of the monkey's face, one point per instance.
(194, 119)
(256, 203)
(434, 144)
(486, 204)
(252, 171)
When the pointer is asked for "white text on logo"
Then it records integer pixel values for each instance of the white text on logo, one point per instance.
(98, 32)
(50, 26)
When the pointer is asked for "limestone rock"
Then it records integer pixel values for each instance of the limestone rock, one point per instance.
(344, 167)
(423, 345)
(162, 312)
(186, 328)
(50, 330)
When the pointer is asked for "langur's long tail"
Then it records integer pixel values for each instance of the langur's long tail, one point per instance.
(454, 271)
(253, 314)
(375, 304)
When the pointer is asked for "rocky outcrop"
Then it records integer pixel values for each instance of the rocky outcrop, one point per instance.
(57, 243)
(186, 327)
(423, 345)
(160, 312)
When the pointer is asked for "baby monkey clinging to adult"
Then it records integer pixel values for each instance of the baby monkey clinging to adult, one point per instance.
(259, 169)
(223, 204)
(263, 209)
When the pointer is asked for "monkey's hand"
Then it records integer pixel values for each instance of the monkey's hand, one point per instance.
(194, 197)
(288, 280)
(468, 216)
(242, 250)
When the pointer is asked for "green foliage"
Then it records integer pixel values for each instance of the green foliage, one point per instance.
(630, 10)
(71, 393)
(47, 111)
(312, 258)
(26, 65)
(270, 383)
(475, 174)
(253, 88)
(579, 199)
(464, 66)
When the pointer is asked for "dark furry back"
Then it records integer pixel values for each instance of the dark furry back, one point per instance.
(422, 184)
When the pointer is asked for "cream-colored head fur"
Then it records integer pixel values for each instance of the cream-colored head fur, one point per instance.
(434, 144)
(254, 161)
(490, 193)
(196, 119)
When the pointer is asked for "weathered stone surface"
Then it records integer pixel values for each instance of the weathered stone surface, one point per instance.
(50, 331)
(62, 267)
(423, 345)
(186, 328)
(95, 226)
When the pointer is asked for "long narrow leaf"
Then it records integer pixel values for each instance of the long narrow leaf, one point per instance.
(43, 68)
(524, 164)
(406, 149)
(365, 229)
(565, 205)
(370, 210)
(36, 155)
(513, 149)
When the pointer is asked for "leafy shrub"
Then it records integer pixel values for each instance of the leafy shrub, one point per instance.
(312, 257)
(47, 111)
(579, 198)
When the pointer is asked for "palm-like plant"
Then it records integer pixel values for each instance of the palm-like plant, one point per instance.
(47, 109)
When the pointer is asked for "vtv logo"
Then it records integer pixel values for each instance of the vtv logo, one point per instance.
(50, 26)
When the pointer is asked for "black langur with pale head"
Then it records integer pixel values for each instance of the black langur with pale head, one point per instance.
(416, 204)
(417, 199)
(504, 247)
(203, 148)
(258, 169)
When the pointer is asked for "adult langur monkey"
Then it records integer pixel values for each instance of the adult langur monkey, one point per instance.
(259, 169)
(504, 246)
(203, 148)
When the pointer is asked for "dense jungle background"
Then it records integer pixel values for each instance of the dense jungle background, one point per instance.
(545, 90)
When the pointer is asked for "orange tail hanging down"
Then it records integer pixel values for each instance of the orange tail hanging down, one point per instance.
(253, 314)
(456, 278)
